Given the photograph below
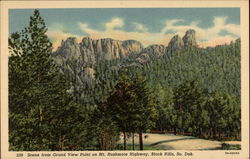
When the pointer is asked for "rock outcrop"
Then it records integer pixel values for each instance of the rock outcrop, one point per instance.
(151, 52)
(79, 59)
(155, 51)
(175, 44)
(102, 49)
(189, 39)
(69, 49)
(107, 49)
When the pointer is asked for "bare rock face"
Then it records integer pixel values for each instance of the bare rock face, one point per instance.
(155, 50)
(68, 58)
(69, 49)
(107, 49)
(189, 39)
(175, 44)
(131, 47)
(90, 50)
(78, 59)
(87, 51)
(68, 55)
(151, 52)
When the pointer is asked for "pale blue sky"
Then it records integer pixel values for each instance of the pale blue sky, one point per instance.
(125, 23)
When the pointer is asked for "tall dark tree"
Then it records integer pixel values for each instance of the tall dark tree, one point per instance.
(189, 102)
(132, 106)
(121, 105)
(41, 111)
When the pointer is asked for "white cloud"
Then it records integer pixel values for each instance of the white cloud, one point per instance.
(113, 29)
(57, 34)
(114, 23)
(146, 38)
(169, 24)
(210, 35)
(140, 27)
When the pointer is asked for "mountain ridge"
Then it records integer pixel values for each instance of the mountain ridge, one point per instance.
(78, 60)
(90, 50)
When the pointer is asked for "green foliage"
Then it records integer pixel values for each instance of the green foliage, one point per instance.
(105, 128)
(131, 105)
(194, 91)
(216, 71)
(224, 115)
(42, 114)
(189, 103)
(132, 102)
(188, 79)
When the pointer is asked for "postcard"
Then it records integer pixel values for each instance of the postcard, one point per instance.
(124, 79)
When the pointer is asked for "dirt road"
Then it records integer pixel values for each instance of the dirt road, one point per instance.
(175, 142)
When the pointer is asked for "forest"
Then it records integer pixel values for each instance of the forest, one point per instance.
(193, 91)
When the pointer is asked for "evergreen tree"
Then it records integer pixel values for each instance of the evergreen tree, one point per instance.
(132, 106)
(165, 107)
(107, 129)
(41, 112)
(189, 101)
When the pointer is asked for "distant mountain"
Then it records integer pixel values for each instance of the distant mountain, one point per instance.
(176, 43)
(88, 51)
(78, 60)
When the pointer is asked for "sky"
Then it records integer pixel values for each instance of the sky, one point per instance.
(213, 26)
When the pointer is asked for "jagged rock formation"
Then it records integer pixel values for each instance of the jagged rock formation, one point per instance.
(88, 51)
(73, 62)
(155, 51)
(107, 49)
(103, 49)
(175, 44)
(151, 52)
(78, 60)
(69, 49)
(189, 38)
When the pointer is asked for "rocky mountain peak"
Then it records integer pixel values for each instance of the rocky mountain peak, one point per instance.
(68, 49)
(87, 43)
(175, 44)
(71, 40)
(79, 59)
(189, 38)
(133, 45)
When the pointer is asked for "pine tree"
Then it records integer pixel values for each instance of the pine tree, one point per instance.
(41, 111)
(189, 102)
(132, 106)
